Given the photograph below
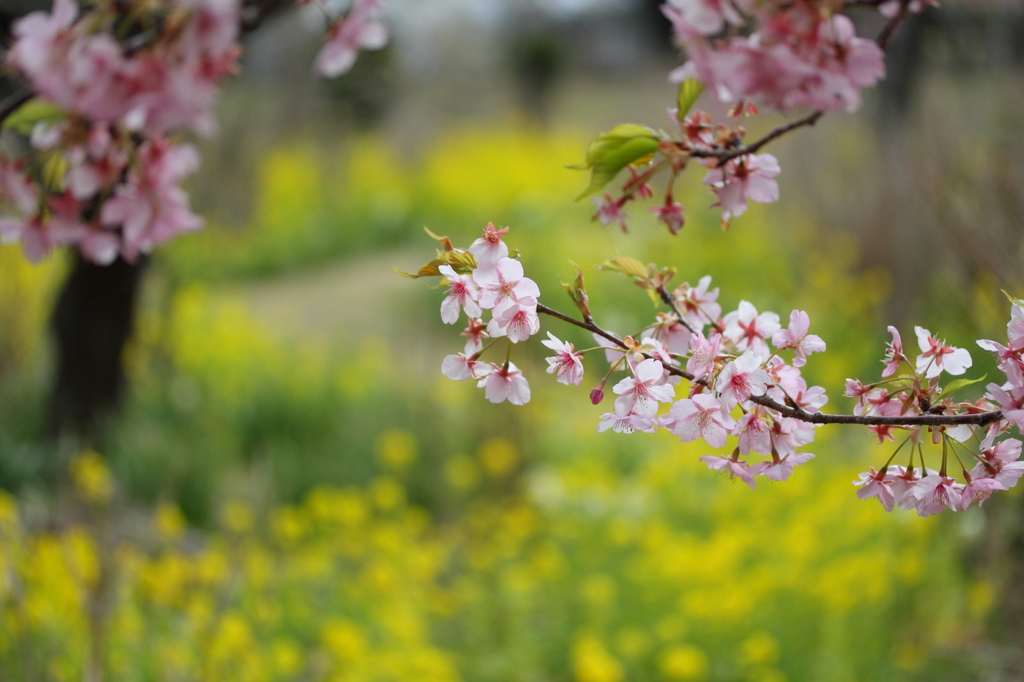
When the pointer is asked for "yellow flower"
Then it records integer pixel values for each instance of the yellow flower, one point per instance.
(759, 649)
(169, 521)
(498, 456)
(683, 662)
(591, 662)
(92, 479)
(344, 640)
(237, 517)
(396, 449)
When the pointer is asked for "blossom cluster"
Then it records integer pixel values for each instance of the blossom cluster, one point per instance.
(987, 461)
(777, 55)
(727, 360)
(485, 278)
(774, 55)
(111, 84)
(743, 374)
(729, 364)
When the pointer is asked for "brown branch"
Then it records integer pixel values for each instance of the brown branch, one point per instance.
(974, 419)
(671, 302)
(589, 326)
(723, 155)
(890, 28)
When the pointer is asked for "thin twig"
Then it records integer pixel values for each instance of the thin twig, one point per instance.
(723, 155)
(886, 35)
(671, 302)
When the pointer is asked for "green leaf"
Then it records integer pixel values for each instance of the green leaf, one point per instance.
(955, 385)
(428, 270)
(25, 117)
(613, 150)
(689, 90)
(630, 267)
(1018, 301)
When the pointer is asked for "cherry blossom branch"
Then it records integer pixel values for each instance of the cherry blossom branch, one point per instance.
(975, 419)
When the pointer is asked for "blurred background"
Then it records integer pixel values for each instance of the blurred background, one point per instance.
(286, 488)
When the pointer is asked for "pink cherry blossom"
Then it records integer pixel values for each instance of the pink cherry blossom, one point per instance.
(889, 408)
(789, 434)
(1011, 400)
(518, 322)
(671, 214)
(506, 383)
(610, 211)
(698, 304)
(626, 422)
(1009, 360)
(797, 338)
(978, 490)
(16, 188)
(1005, 451)
(741, 379)
(935, 493)
(701, 417)
(781, 469)
(462, 293)
(748, 177)
(167, 85)
(641, 393)
(698, 128)
(35, 239)
(734, 468)
(748, 330)
(489, 248)
(357, 30)
(790, 385)
(796, 57)
(877, 484)
(1015, 327)
(754, 434)
(649, 346)
(669, 331)
(903, 483)
(938, 357)
(149, 206)
(707, 16)
(37, 38)
(475, 333)
(703, 354)
(504, 286)
(460, 367)
(893, 353)
(891, 8)
(567, 364)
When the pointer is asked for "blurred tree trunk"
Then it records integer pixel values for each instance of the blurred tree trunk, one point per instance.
(92, 323)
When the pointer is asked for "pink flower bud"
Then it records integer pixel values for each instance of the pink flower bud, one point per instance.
(596, 396)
